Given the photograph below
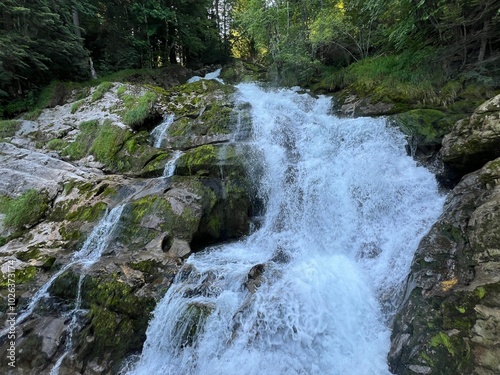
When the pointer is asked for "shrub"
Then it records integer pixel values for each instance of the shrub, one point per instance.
(409, 76)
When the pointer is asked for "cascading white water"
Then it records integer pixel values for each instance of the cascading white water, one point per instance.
(89, 254)
(170, 165)
(345, 210)
(158, 133)
(212, 75)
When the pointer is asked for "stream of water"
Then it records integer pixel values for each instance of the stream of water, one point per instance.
(312, 290)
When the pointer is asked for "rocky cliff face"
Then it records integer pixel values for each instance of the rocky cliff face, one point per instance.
(450, 318)
(63, 171)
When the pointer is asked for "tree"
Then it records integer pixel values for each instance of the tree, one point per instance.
(38, 43)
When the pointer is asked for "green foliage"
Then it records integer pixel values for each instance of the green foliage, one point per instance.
(121, 90)
(79, 148)
(8, 128)
(138, 111)
(76, 105)
(411, 77)
(37, 44)
(103, 88)
(56, 144)
(25, 210)
(108, 142)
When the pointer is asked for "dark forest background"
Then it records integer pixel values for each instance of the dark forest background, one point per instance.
(422, 50)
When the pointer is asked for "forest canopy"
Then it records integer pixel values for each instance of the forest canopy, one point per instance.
(44, 40)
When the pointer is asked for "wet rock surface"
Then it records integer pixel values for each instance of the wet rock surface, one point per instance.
(474, 140)
(84, 159)
(448, 323)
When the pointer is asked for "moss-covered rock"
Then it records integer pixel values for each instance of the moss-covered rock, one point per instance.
(203, 114)
(25, 210)
(475, 140)
(118, 149)
(243, 71)
(191, 323)
(426, 127)
(115, 326)
(140, 113)
(452, 309)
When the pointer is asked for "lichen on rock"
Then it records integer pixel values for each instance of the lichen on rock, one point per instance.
(475, 140)
(451, 310)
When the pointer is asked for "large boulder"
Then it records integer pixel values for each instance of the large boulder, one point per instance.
(475, 140)
(450, 318)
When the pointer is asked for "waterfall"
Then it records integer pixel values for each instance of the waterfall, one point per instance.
(158, 133)
(212, 75)
(170, 165)
(311, 291)
(89, 254)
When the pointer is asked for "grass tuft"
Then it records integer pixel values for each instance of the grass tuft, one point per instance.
(77, 105)
(139, 110)
(25, 210)
(101, 90)
(8, 128)
(79, 148)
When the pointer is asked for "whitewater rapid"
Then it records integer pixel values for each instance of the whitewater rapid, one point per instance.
(345, 209)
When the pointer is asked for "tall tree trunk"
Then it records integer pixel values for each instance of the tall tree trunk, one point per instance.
(484, 40)
(76, 23)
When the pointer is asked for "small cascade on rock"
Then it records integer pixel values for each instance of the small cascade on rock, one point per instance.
(170, 165)
(212, 75)
(89, 254)
(158, 133)
(309, 292)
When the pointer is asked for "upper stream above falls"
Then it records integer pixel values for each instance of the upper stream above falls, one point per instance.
(313, 289)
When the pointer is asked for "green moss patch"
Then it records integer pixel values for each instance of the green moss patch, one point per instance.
(87, 213)
(77, 105)
(140, 111)
(103, 88)
(21, 276)
(25, 210)
(57, 144)
(115, 322)
(428, 125)
(120, 150)
(199, 161)
(79, 148)
(107, 143)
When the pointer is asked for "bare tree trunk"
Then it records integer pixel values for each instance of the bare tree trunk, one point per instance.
(76, 23)
(484, 41)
